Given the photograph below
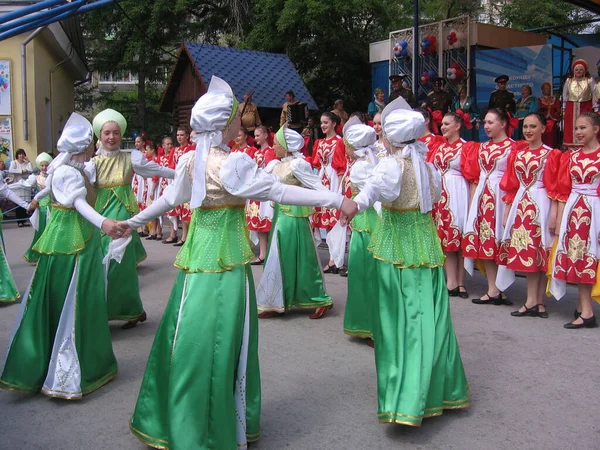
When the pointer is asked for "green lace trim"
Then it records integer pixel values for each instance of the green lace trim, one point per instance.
(45, 201)
(217, 241)
(407, 239)
(66, 233)
(365, 221)
(124, 195)
(296, 211)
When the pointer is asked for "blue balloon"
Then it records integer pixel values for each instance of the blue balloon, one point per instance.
(135, 134)
(403, 44)
(404, 52)
(425, 44)
(431, 73)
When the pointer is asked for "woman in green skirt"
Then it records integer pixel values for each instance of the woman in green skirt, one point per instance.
(358, 139)
(292, 275)
(8, 289)
(201, 388)
(61, 344)
(111, 172)
(39, 219)
(419, 369)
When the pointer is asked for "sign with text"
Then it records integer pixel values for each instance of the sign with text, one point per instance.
(524, 65)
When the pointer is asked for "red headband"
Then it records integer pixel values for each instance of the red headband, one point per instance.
(436, 120)
(466, 118)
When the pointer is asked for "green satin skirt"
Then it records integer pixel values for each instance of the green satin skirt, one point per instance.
(78, 357)
(298, 260)
(8, 289)
(123, 289)
(362, 284)
(190, 394)
(362, 276)
(44, 207)
(419, 368)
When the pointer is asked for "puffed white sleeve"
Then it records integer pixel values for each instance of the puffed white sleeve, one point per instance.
(90, 170)
(360, 172)
(382, 185)
(148, 169)
(176, 193)
(29, 182)
(302, 170)
(68, 188)
(6, 192)
(241, 177)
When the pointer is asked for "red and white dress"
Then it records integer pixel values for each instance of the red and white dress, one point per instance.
(451, 211)
(578, 97)
(259, 215)
(578, 252)
(182, 211)
(484, 229)
(140, 187)
(433, 142)
(529, 183)
(322, 158)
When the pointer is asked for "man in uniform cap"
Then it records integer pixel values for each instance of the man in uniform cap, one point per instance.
(401, 91)
(501, 98)
(439, 99)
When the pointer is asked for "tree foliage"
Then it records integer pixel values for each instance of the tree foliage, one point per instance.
(328, 41)
(526, 14)
(142, 37)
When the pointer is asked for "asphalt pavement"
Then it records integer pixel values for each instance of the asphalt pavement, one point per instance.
(534, 385)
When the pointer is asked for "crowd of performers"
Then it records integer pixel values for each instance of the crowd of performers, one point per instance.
(580, 93)
(421, 209)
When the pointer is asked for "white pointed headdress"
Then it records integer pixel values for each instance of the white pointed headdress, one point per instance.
(76, 137)
(360, 137)
(402, 127)
(290, 140)
(212, 113)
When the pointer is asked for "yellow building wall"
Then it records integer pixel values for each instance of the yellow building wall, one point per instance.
(49, 104)
(54, 96)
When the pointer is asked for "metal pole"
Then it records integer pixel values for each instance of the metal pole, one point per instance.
(415, 47)
(66, 15)
(22, 12)
(42, 15)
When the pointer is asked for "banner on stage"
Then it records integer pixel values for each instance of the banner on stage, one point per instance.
(5, 87)
(524, 65)
(6, 138)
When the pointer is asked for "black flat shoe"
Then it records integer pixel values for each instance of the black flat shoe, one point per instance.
(344, 271)
(590, 322)
(331, 269)
(497, 301)
(169, 241)
(152, 237)
(179, 244)
(142, 234)
(454, 292)
(257, 262)
(576, 313)
(462, 294)
(534, 311)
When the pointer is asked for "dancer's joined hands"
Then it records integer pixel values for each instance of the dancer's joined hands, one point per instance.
(114, 229)
(348, 210)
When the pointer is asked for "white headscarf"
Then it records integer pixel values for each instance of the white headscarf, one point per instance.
(210, 115)
(291, 141)
(360, 138)
(76, 138)
(401, 127)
